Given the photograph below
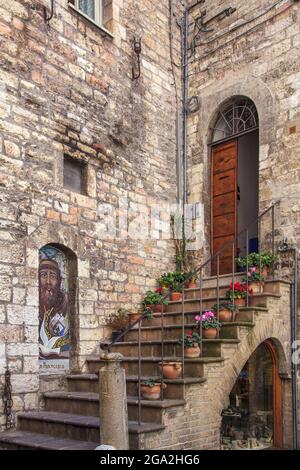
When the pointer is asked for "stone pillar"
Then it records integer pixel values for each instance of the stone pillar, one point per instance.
(113, 402)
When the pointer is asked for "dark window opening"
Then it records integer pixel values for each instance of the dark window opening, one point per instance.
(75, 175)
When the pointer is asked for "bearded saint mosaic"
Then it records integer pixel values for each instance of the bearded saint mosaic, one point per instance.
(54, 324)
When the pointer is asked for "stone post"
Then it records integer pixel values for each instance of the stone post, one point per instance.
(113, 402)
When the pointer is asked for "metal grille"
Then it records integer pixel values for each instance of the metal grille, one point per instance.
(236, 118)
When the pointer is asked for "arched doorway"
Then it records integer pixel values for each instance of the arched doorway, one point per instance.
(57, 287)
(234, 180)
(252, 419)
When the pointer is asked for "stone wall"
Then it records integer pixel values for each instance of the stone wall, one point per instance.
(254, 52)
(67, 88)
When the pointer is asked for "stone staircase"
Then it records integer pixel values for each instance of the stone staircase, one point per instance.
(181, 420)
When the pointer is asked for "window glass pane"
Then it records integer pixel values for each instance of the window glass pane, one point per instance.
(74, 177)
(88, 7)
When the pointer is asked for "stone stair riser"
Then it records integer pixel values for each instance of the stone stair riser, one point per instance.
(151, 368)
(58, 429)
(209, 349)
(72, 406)
(173, 391)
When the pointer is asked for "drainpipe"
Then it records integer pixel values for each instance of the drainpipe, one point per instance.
(185, 103)
(294, 320)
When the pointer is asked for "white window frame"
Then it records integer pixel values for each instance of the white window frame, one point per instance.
(98, 21)
(98, 11)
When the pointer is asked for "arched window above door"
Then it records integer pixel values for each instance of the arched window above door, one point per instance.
(236, 117)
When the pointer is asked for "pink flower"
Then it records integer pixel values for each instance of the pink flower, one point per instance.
(253, 270)
(198, 318)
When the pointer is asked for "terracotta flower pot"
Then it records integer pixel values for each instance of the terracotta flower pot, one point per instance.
(191, 285)
(265, 272)
(171, 370)
(176, 296)
(156, 308)
(225, 315)
(257, 287)
(240, 302)
(152, 393)
(193, 351)
(211, 333)
(133, 317)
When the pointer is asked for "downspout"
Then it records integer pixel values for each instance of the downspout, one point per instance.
(185, 103)
(294, 319)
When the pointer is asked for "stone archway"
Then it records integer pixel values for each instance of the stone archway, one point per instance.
(212, 98)
(275, 334)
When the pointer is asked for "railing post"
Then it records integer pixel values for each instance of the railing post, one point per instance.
(247, 267)
(201, 309)
(139, 374)
(233, 270)
(218, 291)
(162, 351)
(273, 239)
(182, 331)
(113, 402)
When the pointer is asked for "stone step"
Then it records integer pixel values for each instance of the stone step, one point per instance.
(90, 383)
(171, 348)
(245, 314)
(75, 427)
(87, 404)
(194, 305)
(150, 365)
(18, 440)
(170, 332)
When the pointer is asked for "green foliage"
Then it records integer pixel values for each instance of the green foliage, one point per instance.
(149, 383)
(226, 305)
(266, 259)
(154, 298)
(190, 338)
(172, 280)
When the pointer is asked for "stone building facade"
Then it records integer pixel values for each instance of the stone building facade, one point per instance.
(67, 91)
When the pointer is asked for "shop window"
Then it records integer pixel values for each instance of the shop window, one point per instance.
(248, 420)
(98, 12)
(75, 175)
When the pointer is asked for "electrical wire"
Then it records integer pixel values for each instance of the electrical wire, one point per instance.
(171, 49)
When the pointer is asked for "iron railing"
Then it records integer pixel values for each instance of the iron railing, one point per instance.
(199, 272)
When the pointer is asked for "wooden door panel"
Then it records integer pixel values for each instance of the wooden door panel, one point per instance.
(225, 242)
(224, 203)
(223, 227)
(224, 182)
(224, 159)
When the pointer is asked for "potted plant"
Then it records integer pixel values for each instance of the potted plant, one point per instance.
(171, 370)
(238, 293)
(255, 280)
(227, 311)
(191, 279)
(266, 260)
(154, 301)
(151, 389)
(118, 322)
(191, 341)
(210, 324)
(174, 281)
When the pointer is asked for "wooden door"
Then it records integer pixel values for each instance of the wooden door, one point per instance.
(224, 203)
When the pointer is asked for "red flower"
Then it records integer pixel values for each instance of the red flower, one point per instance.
(159, 290)
(189, 333)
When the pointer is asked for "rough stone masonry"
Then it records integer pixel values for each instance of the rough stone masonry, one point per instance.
(66, 88)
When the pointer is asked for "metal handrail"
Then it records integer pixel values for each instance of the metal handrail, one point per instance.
(107, 346)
